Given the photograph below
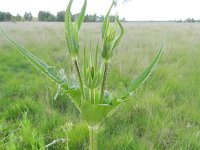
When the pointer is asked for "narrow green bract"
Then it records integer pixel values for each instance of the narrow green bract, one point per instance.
(72, 29)
(109, 37)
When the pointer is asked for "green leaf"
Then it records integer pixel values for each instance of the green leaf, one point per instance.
(96, 56)
(68, 15)
(30, 56)
(94, 114)
(140, 79)
(75, 96)
(84, 62)
(48, 70)
(59, 77)
(68, 26)
(80, 18)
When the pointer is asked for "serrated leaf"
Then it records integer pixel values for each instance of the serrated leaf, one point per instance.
(75, 96)
(141, 78)
(30, 56)
(48, 70)
(56, 76)
(94, 114)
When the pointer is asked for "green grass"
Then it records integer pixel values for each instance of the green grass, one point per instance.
(163, 114)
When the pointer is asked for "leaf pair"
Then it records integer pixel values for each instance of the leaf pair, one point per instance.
(72, 29)
(94, 114)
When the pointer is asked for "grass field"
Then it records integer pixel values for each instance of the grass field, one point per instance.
(163, 114)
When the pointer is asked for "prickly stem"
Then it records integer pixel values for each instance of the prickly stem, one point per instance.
(103, 86)
(79, 76)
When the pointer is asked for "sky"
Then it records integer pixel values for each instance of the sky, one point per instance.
(135, 10)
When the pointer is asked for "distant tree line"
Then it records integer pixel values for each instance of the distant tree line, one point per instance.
(60, 17)
(46, 16)
(189, 20)
(6, 16)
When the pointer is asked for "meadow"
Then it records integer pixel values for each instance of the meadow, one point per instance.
(163, 114)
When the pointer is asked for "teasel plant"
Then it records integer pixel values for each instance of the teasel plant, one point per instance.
(90, 97)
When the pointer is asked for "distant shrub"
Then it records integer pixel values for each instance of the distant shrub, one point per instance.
(46, 16)
(5, 16)
(28, 16)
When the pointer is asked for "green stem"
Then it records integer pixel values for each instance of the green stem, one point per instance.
(103, 86)
(92, 96)
(79, 76)
(93, 137)
(67, 143)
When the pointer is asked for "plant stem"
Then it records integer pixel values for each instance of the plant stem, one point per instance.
(79, 76)
(92, 96)
(105, 74)
(93, 137)
(67, 142)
